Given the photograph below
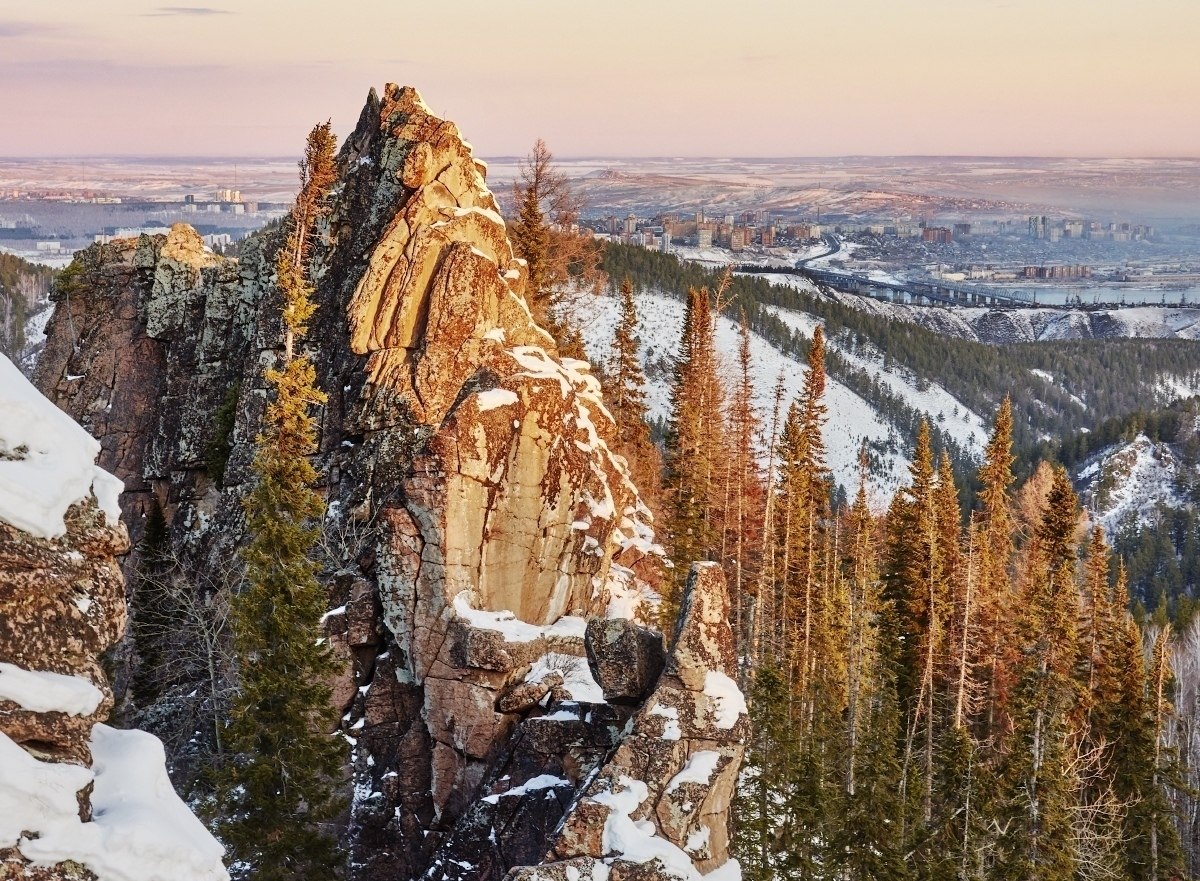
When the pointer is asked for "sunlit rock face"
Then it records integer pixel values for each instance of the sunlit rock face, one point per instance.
(477, 515)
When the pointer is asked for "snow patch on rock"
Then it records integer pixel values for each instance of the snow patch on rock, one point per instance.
(44, 692)
(729, 704)
(139, 831)
(47, 461)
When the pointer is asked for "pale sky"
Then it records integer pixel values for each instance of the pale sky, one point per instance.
(610, 77)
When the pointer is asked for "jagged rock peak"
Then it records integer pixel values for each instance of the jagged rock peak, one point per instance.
(441, 270)
(439, 312)
(477, 513)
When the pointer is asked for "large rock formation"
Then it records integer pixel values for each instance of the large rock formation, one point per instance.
(477, 516)
(62, 605)
(659, 805)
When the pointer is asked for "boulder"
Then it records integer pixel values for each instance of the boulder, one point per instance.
(524, 695)
(626, 658)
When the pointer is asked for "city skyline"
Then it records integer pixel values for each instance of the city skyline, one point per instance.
(867, 78)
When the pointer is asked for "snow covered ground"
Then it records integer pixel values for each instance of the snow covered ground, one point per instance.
(851, 419)
(774, 257)
(35, 336)
(1139, 476)
(968, 429)
(1177, 388)
(139, 831)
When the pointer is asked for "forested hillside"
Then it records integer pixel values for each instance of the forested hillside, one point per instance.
(938, 690)
(957, 687)
(1056, 388)
(22, 285)
(1140, 476)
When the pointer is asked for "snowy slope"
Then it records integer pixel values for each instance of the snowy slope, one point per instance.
(950, 415)
(1134, 477)
(47, 461)
(35, 336)
(851, 419)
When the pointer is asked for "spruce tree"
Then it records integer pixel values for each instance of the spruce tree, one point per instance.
(765, 831)
(1038, 788)
(278, 787)
(1132, 709)
(530, 237)
(867, 838)
(624, 382)
(695, 451)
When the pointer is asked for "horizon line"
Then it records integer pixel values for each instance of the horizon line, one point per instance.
(218, 157)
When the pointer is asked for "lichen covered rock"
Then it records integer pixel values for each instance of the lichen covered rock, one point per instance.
(658, 808)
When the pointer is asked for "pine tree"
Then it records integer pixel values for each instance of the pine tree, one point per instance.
(803, 518)
(996, 549)
(911, 551)
(764, 628)
(279, 786)
(545, 235)
(743, 523)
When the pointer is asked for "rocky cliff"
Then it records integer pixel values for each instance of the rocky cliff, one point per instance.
(477, 518)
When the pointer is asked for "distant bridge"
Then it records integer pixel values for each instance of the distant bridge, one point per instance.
(918, 293)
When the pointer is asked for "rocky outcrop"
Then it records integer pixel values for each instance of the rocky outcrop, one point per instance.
(477, 517)
(658, 808)
(62, 607)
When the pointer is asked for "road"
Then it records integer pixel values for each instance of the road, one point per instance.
(833, 245)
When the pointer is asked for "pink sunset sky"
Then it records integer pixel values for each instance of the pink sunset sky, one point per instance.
(616, 78)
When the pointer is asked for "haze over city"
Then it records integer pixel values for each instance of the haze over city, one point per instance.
(941, 77)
